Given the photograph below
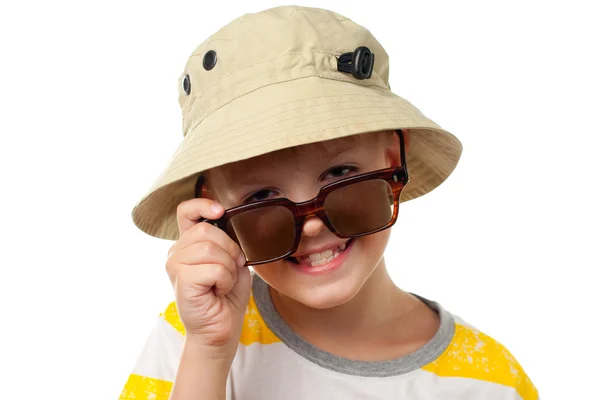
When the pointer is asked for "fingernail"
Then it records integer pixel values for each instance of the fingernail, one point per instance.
(216, 207)
(241, 261)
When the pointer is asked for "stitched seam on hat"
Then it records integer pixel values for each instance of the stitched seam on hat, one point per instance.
(295, 127)
(281, 105)
(383, 101)
(361, 99)
(237, 137)
(175, 168)
(377, 105)
(416, 114)
(302, 116)
(211, 110)
(230, 139)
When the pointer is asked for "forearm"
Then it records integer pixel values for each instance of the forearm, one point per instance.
(202, 375)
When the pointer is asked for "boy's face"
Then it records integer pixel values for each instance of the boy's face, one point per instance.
(298, 174)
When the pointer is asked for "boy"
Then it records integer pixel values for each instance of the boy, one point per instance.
(295, 158)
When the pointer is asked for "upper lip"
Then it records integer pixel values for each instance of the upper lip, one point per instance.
(318, 249)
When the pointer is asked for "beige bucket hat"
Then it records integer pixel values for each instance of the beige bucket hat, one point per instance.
(284, 77)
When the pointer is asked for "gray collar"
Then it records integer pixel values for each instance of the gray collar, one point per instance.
(421, 357)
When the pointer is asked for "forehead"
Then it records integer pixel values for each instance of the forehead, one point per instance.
(298, 157)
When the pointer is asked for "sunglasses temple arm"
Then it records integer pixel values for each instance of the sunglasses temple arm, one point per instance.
(215, 222)
(402, 155)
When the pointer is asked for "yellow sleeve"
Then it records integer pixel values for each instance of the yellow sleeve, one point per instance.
(153, 375)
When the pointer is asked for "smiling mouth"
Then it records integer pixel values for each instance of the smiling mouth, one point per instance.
(317, 259)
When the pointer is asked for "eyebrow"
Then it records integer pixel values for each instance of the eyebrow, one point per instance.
(266, 177)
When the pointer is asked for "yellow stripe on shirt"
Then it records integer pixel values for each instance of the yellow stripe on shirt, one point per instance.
(473, 354)
(254, 329)
(172, 317)
(143, 388)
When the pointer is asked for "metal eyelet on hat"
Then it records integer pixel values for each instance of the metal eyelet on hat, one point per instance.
(209, 60)
(359, 63)
(186, 85)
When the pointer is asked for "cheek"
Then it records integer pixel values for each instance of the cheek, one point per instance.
(373, 246)
(273, 273)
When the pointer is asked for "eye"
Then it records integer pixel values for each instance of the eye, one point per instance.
(341, 171)
(258, 196)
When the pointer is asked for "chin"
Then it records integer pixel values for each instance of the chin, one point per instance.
(320, 294)
(326, 296)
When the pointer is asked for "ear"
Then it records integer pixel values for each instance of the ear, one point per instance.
(392, 150)
(205, 192)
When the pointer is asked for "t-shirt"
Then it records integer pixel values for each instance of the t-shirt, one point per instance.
(273, 362)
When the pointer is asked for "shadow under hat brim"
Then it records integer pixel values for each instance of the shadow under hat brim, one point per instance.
(290, 114)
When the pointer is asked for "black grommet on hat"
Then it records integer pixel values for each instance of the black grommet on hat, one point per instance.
(209, 60)
(359, 63)
(186, 85)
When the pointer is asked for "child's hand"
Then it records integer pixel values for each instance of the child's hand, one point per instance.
(212, 287)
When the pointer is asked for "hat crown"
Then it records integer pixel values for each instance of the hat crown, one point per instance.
(268, 47)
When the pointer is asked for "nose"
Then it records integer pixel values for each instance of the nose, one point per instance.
(312, 226)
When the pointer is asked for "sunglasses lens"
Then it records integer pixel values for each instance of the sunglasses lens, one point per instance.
(361, 207)
(263, 233)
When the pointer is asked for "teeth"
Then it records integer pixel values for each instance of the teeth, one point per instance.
(314, 256)
(316, 259)
(322, 255)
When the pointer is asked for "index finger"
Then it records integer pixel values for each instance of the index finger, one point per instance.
(190, 211)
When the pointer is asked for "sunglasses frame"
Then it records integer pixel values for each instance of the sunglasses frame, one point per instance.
(397, 177)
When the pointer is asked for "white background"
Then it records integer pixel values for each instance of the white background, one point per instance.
(89, 117)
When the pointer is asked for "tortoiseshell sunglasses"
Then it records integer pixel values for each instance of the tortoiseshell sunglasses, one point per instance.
(360, 205)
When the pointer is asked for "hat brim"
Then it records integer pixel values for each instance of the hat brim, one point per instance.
(290, 114)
